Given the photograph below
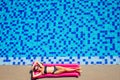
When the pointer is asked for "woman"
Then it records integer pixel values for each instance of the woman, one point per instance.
(53, 69)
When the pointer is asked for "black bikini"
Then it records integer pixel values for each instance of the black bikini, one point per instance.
(55, 69)
(45, 70)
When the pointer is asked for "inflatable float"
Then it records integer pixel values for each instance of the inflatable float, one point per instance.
(66, 74)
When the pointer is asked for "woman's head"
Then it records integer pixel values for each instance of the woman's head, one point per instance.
(37, 68)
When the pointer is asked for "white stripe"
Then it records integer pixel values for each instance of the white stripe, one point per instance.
(54, 61)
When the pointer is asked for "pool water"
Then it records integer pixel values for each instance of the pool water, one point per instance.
(59, 31)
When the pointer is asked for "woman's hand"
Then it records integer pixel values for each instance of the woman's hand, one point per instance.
(36, 62)
(41, 65)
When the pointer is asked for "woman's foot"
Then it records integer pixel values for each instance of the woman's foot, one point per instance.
(79, 70)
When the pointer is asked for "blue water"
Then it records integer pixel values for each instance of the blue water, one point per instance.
(59, 28)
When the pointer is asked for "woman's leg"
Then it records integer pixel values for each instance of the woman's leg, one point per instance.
(64, 69)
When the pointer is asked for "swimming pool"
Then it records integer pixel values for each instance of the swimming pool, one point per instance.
(59, 31)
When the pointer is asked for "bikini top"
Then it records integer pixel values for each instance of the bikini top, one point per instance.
(45, 69)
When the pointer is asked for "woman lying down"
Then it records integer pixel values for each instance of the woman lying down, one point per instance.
(41, 69)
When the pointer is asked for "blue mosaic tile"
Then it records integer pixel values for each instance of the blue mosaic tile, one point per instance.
(50, 28)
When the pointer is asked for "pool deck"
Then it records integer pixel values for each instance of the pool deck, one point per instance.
(90, 72)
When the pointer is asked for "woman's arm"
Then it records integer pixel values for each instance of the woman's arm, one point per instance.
(36, 62)
(41, 65)
(36, 75)
(34, 65)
